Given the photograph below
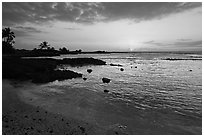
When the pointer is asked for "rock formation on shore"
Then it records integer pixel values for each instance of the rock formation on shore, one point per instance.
(42, 70)
(89, 70)
(105, 80)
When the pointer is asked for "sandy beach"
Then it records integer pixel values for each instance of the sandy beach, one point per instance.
(19, 118)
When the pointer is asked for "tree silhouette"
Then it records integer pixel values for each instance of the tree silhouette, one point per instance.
(44, 45)
(63, 50)
(52, 48)
(8, 39)
(78, 51)
(8, 36)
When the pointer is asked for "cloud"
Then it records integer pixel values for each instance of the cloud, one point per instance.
(145, 10)
(28, 29)
(197, 43)
(180, 43)
(88, 13)
(25, 31)
(184, 39)
(71, 28)
(152, 42)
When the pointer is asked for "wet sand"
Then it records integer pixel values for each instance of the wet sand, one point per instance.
(19, 118)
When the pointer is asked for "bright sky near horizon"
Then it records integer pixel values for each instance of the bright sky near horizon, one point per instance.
(138, 26)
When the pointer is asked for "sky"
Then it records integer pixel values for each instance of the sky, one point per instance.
(109, 26)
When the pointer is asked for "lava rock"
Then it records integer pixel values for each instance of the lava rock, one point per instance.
(81, 61)
(106, 91)
(105, 80)
(121, 69)
(116, 65)
(84, 79)
(89, 70)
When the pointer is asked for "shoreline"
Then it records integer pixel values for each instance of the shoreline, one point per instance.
(20, 118)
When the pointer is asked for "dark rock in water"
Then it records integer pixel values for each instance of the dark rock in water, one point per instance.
(89, 70)
(106, 91)
(135, 66)
(84, 79)
(116, 65)
(82, 61)
(121, 69)
(190, 70)
(105, 80)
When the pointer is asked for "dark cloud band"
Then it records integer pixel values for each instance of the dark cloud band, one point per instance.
(35, 12)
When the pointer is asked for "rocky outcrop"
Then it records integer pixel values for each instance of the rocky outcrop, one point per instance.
(89, 70)
(106, 80)
(116, 65)
(81, 61)
(84, 79)
(37, 70)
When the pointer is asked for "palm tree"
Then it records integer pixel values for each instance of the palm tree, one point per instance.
(8, 39)
(44, 45)
(8, 36)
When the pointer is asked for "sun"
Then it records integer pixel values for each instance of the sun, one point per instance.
(131, 49)
(131, 44)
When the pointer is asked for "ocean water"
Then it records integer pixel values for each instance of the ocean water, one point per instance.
(151, 96)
